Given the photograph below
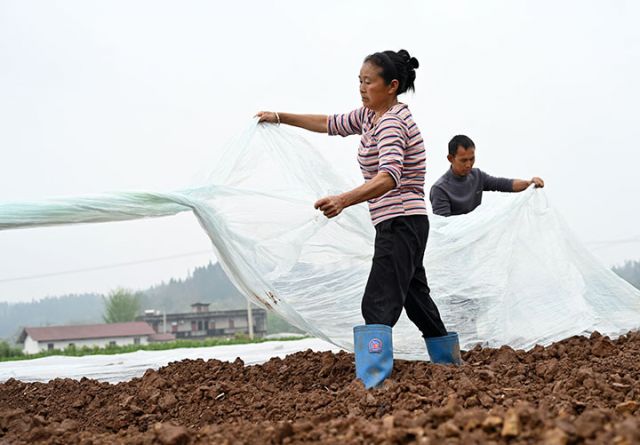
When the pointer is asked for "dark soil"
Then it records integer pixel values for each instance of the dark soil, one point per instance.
(578, 391)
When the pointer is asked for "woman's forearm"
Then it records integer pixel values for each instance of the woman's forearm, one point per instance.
(332, 205)
(378, 186)
(312, 122)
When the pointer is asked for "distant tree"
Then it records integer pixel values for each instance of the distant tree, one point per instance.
(65, 309)
(6, 350)
(121, 305)
(630, 271)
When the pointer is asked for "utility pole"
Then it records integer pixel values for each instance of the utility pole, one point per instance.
(250, 319)
(164, 321)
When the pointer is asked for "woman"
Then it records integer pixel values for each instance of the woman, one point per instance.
(392, 159)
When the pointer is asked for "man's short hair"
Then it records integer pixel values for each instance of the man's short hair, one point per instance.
(460, 141)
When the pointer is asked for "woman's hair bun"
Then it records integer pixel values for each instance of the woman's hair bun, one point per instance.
(412, 62)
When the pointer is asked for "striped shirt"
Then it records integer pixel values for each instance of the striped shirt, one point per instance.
(393, 145)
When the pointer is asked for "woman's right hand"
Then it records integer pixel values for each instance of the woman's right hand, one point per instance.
(267, 116)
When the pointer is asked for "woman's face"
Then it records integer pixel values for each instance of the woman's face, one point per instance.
(375, 93)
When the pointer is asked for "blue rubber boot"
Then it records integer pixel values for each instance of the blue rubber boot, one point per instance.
(444, 350)
(374, 353)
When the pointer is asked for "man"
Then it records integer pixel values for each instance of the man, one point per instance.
(459, 191)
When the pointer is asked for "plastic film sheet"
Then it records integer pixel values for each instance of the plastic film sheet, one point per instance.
(508, 273)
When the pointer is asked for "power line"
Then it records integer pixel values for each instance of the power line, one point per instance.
(603, 243)
(596, 244)
(106, 266)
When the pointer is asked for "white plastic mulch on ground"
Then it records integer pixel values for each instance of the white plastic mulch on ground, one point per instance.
(509, 273)
(121, 367)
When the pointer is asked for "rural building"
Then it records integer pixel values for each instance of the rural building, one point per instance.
(202, 323)
(38, 339)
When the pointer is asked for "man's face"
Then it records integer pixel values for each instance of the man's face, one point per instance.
(463, 161)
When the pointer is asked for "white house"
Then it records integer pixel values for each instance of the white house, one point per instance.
(102, 335)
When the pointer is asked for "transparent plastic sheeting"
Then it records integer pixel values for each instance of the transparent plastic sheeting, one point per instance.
(508, 273)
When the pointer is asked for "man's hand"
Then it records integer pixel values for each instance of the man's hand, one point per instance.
(331, 205)
(539, 183)
(520, 185)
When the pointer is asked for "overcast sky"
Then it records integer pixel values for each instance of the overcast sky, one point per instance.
(120, 95)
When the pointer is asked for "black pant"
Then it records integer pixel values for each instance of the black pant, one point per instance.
(397, 278)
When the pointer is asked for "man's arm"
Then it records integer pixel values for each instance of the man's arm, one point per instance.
(332, 205)
(495, 184)
(440, 202)
(520, 185)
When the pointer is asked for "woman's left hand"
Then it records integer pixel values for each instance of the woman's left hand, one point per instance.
(331, 205)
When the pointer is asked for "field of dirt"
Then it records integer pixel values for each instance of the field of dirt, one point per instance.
(578, 391)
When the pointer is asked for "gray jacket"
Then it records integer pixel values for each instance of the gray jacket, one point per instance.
(457, 195)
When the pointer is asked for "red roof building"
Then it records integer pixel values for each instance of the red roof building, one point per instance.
(37, 339)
